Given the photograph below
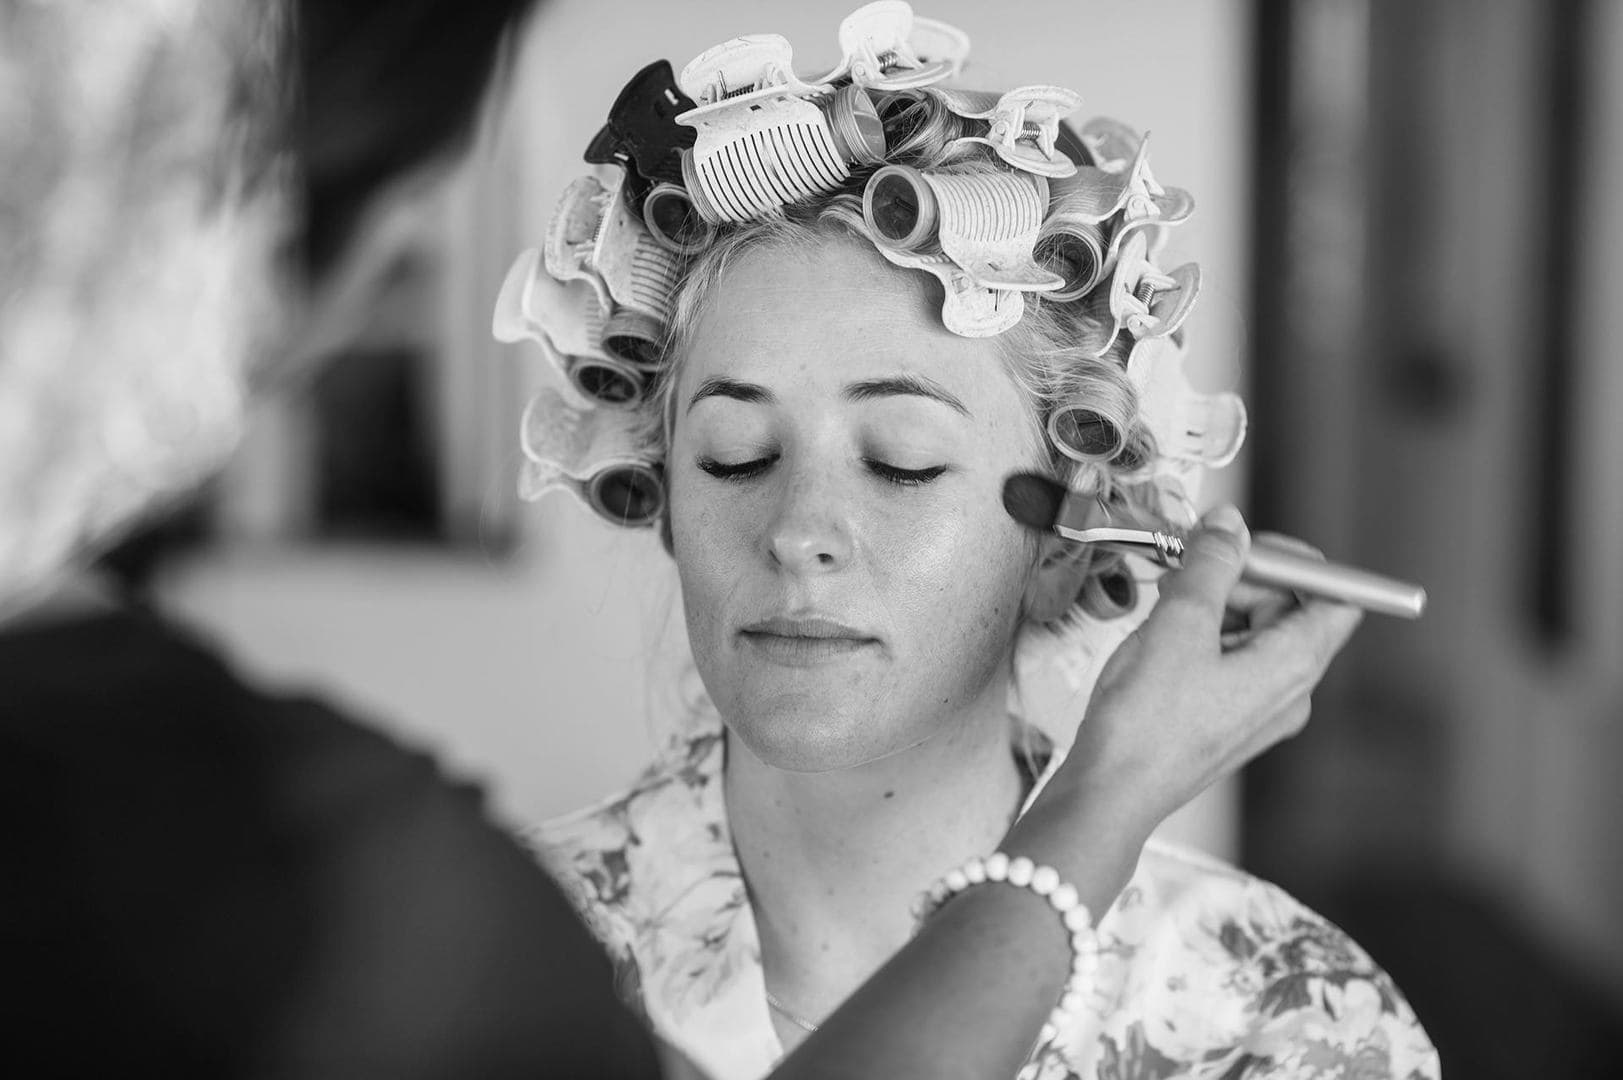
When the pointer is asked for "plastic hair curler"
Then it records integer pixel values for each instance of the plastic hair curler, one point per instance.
(1082, 434)
(595, 237)
(988, 225)
(1189, 427)
(1022, 124)
(601, 379)
(674, 220)
(567, 322)
(886, 47)
(765, 138)
(1110, 594)
(597, 455)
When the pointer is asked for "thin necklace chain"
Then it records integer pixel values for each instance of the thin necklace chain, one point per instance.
(783, 1010)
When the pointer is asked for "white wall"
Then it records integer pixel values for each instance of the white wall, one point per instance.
(534, 674)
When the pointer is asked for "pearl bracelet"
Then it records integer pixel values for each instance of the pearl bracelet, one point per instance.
(1061, 896)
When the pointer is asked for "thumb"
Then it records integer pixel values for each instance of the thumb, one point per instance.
(1213, 558)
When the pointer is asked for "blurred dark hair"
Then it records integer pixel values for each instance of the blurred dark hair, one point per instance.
(385, 86)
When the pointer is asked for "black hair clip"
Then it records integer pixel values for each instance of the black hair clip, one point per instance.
(642, 135)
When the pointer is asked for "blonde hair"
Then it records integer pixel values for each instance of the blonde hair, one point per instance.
(1056, 354)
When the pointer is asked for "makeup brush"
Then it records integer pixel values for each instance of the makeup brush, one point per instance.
(1048, 506)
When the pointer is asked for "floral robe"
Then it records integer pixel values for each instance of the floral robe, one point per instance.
(1204, 971)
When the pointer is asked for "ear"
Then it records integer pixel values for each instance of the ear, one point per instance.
(1056, 579)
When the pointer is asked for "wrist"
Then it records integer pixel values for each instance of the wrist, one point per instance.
(1092, 833)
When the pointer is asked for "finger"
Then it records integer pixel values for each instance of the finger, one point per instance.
(1298, 648)
(1286, 722)
(1239, 624)
(1249, 598)
(1282, 542)
(1212, 560)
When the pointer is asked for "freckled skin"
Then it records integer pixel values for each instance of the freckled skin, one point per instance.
(933, 572)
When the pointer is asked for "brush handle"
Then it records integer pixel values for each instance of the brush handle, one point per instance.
(1373, 592)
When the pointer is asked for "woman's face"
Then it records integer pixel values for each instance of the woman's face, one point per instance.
(851, 580)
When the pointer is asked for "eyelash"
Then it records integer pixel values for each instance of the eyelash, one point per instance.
(746, 470)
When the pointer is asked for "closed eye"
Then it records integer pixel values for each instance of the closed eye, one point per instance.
(741, 470)
(746, 470)
(904, 477)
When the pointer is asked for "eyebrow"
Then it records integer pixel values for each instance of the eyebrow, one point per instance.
(721, 386)
(905, 385)
(866, 390)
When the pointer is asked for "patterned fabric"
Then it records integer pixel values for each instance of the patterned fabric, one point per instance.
(1204, 971)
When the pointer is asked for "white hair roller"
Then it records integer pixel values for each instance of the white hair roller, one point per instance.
(597, 455)
(765, 138)
(567, 322)
(1082, 434)
(987, 224)
(595, 237)
(674, 220)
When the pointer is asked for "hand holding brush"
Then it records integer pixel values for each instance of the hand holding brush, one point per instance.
(1046, 505)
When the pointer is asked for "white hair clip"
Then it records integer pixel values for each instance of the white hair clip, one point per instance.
(968, 309)
(986, 224)
(1144, 301)
(765, 138)
(1112, 143)
(1189, 427)
(595, 237)
(597, 455)
(1022, 124)
(887, 47)
(747, 68)
(566, 320)
(1119, 151)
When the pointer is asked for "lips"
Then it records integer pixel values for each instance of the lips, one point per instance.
(806, 641)
(814, 627)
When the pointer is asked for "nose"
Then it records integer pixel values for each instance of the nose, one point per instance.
(811, 530)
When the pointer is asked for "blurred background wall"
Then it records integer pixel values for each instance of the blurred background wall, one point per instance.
(1436, 376)
(1411, 245)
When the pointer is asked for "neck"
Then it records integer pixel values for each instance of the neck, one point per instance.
(835, 860)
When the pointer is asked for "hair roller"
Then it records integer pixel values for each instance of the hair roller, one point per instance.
(632, 338)
(1109, 594)
(986, 223)
(765, 138)
(1083, 435)
(675, 221)
(597, 455)
(631, 495)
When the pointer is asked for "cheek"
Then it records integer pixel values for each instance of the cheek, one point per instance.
(957, 579)
(708, 546)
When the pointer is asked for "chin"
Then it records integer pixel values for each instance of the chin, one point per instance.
(807, 737)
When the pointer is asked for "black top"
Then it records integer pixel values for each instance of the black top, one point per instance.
(203, 876)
